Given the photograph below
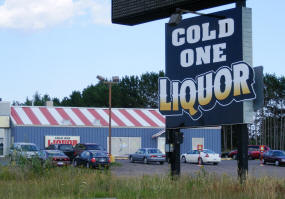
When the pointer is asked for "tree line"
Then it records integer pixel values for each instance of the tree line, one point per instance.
(130, 92)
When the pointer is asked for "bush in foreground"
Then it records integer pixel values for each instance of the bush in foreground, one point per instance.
(77, 183)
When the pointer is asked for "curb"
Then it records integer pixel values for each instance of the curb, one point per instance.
(121, 158)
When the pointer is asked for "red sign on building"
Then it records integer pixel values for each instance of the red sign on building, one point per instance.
(61, 140)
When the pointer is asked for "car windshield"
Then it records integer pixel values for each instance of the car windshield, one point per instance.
(55, 153)
(94, 147)
(208, 151)
(29, 148)
(279, 153)
(100, 154)
(153, 151)
(66, 147)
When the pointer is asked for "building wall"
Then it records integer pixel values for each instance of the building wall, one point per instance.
(212, 137)
(5, 140)
(91, 135)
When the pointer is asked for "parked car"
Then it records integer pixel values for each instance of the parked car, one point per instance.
(79, 148)
(92, 159)
(225, 154)
(253, 152)
(57, 157)
(147, 155)
(205, 156)
(274, 156)
(67, 149)
(22, 149)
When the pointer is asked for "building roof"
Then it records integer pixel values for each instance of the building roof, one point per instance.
(79, 116)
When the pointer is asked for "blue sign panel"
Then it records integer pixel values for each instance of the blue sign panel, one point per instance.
(207, 80)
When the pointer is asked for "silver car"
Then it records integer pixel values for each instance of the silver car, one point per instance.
(147, 155)
(22, 149)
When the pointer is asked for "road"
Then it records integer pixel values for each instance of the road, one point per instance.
(228, 167)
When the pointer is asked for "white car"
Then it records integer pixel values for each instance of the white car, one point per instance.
(205, 156)
(27, 150)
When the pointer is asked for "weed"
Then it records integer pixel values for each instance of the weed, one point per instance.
(26, 181)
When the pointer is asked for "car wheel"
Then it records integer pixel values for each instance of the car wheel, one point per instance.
(250, 158)
(131, 159)
(200, 161)
(183, 159)
(215, 163)
(145, 160)
(277, 163)
(161, 163)
(234, 157)
(75, 164)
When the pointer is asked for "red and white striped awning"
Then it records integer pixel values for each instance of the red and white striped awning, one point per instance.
(71, 116)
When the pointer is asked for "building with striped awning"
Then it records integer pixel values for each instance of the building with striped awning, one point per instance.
(73, 116)
(132, 128)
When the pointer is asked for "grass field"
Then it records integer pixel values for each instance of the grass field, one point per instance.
(32, 182)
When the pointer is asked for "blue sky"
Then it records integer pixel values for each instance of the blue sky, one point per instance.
(55, 47)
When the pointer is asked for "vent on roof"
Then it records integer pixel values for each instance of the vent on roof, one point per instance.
(96, 122)
(66, 122)
(5, 108)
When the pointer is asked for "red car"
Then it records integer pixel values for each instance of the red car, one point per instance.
(57, 158)
(253, 152)
(275, 156)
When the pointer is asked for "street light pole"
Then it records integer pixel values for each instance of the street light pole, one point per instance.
(110, 116)
(115, 79)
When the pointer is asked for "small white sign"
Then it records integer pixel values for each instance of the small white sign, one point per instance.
(61, 140)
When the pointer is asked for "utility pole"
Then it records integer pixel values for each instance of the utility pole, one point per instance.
(115, 79)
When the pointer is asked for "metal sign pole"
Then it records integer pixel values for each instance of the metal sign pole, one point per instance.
(174, 138)
(242, 131)
(176, 154)
(242, 158)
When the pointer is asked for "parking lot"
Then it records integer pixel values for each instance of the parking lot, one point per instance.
(228, 167)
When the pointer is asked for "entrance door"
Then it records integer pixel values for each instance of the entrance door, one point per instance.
(161, 144)
(123, 146)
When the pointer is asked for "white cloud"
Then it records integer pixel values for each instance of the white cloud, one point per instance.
(39, 14)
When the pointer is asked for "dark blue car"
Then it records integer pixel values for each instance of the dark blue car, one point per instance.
(274, 156)
(92, 159)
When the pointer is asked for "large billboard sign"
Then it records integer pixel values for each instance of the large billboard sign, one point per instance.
(132, 12)
(209, 79)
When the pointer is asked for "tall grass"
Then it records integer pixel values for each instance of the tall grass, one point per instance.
(18, 182)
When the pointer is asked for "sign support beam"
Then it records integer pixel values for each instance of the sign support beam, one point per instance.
(175, 158)
(242, 131)
(174, 139)
(241, 3)
(242, 158)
